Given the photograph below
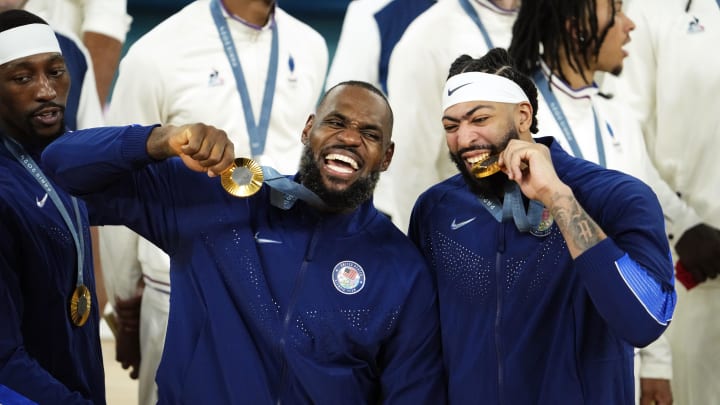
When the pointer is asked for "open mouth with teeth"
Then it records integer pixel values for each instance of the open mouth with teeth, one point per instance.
(484, 165)
(341, 164)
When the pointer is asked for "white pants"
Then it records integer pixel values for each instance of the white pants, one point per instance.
(153, 326)
(694, 336)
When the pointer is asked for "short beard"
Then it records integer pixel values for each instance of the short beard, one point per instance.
(486, 186)
(337, 201)
(35, 139)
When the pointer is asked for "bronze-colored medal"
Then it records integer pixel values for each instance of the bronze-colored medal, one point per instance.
(487, 167)
(243, 179)
(80, 305)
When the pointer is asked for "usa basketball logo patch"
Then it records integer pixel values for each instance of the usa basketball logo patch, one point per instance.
(348, 277)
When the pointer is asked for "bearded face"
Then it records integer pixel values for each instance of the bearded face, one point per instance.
(337, 200)
(487, 185)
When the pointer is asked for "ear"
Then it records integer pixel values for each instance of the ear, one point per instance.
(389, 152)
(306, 131)
(523, 117)
(576, 30)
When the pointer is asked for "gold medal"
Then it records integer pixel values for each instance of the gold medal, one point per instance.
(80, 305)
(243, 179)
(487, 167)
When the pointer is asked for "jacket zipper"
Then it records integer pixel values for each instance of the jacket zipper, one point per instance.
(498, 312)
(309, 255)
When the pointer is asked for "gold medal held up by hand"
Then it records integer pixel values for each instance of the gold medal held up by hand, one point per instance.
(80, 305)
(243, 179)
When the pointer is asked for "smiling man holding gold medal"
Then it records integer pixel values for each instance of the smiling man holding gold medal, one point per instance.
(549, 268)
(296, 291)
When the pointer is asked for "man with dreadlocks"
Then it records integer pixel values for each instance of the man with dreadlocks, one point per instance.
(588, 40)
(549, 268)
(671, 82)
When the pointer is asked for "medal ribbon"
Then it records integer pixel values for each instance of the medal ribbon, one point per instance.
(257, 133)
(557, 112)
(513, 207)
(470, 11)
(29, 164)
(286, 192)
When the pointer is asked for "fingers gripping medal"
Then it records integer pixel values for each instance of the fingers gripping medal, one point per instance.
(243, 179)
(80, 304)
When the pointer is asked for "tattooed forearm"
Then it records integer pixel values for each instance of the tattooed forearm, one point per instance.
(580, 231)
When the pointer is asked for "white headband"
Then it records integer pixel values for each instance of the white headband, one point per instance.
(478, 86)
(26, 40)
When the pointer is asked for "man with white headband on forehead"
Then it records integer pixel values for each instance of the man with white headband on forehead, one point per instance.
(549, 268)
(50, 349)
(49, 343)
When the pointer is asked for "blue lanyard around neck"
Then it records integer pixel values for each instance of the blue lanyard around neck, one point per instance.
(257, 133)
(29, 164)
(285, 192)
(470, 11)
(513, 207)
(544, 86)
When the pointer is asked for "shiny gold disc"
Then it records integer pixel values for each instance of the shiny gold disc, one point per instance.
(487, 167)
(80, 305)
(243, 179)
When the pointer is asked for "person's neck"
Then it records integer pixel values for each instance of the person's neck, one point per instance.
(574, 79)
(256, 12)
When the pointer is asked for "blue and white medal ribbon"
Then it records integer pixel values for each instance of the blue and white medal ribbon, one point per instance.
(257, 133)
(80, 301)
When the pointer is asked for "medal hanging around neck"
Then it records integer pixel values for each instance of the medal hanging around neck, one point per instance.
(81, 300)
(80, 304)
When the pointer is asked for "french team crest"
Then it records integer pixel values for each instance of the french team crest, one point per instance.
(348, 277)
(545, 225)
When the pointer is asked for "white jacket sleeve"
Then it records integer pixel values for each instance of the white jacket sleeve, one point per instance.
(119, 259)
(415, 91)
(357, 55)
(656, 360)
(108, 17)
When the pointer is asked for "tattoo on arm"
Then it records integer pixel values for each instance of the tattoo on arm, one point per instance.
(580, 231)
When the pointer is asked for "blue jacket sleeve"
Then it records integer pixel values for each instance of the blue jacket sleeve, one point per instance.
(629, 276)
(110, 170)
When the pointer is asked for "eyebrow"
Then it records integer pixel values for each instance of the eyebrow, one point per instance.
(469, 112)
(362, 125)
(52, 59)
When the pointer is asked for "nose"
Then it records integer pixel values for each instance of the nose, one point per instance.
(629, 23)
(45, 89)
(350, 135)
(465, 135)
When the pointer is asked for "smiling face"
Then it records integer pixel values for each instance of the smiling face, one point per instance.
(347, 145)
(475, 130)
(33, 93)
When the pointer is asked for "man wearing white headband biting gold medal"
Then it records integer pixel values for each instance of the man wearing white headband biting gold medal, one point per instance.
(549, 268)
(49, 343)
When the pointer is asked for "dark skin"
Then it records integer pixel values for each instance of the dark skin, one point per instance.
(33, 93)
(350, 136)
(699, 251)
